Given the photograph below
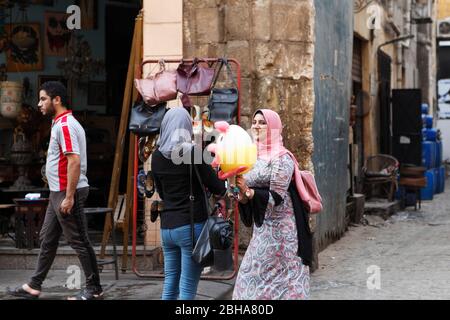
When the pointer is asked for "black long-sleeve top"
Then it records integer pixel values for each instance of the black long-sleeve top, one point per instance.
(254, 210)
(172, 184)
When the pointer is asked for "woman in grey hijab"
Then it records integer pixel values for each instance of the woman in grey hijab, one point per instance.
(176, 133)
(172, 181)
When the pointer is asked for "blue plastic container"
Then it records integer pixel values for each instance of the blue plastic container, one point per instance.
(437, 187)
(428, 154)
(439, 155)
(431, 134)
(428, 122)
(436, 180)
(425, 108)
(427, 193)
(424, 134)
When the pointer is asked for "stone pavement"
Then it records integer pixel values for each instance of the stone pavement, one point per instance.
(128, 287)
(404, 257)
(411, 250)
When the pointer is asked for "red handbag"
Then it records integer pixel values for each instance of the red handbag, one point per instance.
(194, 79)
(160, 87)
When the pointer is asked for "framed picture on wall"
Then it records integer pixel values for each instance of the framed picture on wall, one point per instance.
(56, 36)
(97, 93)
(89, 12)
(25, 47)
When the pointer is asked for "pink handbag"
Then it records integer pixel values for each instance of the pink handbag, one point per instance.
(159, 87)
(307, 187)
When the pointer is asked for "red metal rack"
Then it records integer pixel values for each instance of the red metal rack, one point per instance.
(139, 69)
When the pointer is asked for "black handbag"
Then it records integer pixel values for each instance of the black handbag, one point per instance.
(146, 120)
(213, 247)
(223, 102)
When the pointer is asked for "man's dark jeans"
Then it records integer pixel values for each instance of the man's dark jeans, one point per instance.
(74, 228)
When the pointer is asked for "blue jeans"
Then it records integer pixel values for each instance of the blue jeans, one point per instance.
(181, 273)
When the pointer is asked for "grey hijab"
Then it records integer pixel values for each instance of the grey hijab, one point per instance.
(176, 132)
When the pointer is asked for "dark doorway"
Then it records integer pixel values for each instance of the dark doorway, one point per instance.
(407, 126)
(356, 118)
(358, 137)
(384, 70)
(120, 19)
(443, 63)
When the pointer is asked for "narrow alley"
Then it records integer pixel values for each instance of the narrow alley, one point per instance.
(411, 249)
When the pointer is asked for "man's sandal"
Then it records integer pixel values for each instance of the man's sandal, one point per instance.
(21, 293)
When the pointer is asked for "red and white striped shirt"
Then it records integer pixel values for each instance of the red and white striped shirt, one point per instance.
(67, 136)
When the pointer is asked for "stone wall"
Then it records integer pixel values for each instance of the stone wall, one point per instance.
(274, 42)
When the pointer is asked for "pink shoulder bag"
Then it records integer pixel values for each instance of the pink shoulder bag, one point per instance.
(308, 192)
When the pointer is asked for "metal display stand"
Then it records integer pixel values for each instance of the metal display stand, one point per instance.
(234, 204)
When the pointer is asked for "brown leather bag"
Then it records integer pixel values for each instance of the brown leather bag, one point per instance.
(160, 87)
(194, 79)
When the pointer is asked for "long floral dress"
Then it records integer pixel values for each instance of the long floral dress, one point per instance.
(271, 268)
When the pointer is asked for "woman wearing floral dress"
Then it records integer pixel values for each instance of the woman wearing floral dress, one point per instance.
(272, 268)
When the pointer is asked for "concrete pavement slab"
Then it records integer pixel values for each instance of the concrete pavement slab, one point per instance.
(407, 257)
(128, 287)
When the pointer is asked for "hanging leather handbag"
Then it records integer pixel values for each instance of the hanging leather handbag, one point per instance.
(223, 102)
(146, 120)
(159, 87)
(194, 79)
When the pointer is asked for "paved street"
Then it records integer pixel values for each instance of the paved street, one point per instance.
(412, 250)
(128, 287)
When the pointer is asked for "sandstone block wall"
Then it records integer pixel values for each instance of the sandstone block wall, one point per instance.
(274, 42)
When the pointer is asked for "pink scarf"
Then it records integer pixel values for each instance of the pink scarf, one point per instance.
(273, 148)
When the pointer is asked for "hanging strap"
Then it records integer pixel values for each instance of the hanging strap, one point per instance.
(208, 208)
(191, 199)
(224, 61)
(185, 100)
(207, 205)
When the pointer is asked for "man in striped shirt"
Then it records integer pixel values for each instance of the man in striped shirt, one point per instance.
(66, 175)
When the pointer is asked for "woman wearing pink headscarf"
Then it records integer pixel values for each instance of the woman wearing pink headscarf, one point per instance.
(275, 265)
